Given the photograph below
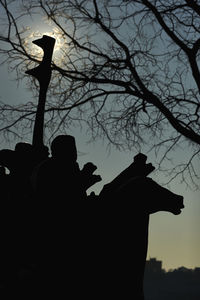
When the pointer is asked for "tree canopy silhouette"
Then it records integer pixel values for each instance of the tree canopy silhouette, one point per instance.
(127, 69)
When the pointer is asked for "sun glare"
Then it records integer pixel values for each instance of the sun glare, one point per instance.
(37, 52)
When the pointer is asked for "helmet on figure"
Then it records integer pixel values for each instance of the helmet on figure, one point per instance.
(64, 146)
(23, 147)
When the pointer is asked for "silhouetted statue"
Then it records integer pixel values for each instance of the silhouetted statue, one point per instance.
(87, 177)
(25, 207)
(21, 162)
(25, 157)
(58, 177)
(43, 74)
(105, 241)
(62, 208)
(2, 172)
(137, 168)
(8, 159)
(124, 233)
(68, 242)
(4, 188)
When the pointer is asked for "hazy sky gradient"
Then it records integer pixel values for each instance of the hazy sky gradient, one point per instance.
(173, 239)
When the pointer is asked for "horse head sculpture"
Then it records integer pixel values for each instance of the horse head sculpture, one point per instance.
(123, 227)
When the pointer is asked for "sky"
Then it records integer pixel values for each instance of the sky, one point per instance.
(173, 239)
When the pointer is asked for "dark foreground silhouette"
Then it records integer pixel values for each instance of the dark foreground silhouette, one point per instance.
(126, 231)
(85, 245)
(177, 284)
(56, 240)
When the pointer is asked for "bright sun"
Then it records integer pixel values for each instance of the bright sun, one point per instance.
(37, 51)
(58, 43)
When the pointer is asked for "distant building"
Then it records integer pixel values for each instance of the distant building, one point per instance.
(197, 270)
(183, 270)
(153, 266)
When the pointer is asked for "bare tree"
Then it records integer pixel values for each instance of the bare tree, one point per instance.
(127, 69)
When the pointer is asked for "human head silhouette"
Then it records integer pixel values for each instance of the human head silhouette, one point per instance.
(64, 147)
(23, 148)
